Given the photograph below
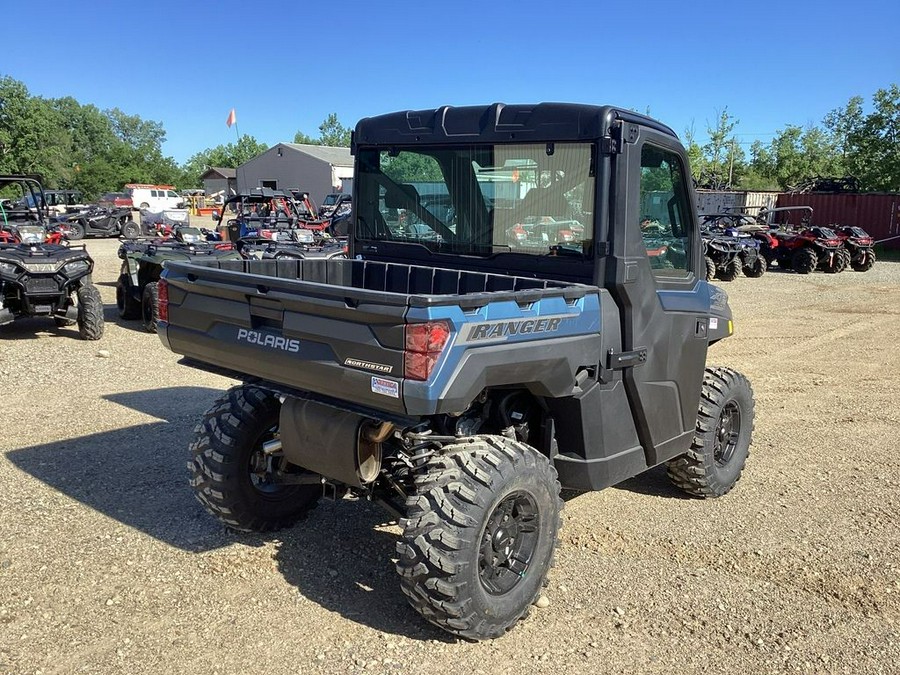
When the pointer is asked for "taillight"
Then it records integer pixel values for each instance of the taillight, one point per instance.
(424, 343)
(162, 291)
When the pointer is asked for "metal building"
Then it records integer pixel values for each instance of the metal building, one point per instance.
(316, 169)
(217, 179)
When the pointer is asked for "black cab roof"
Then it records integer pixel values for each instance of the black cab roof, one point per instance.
(498, 122)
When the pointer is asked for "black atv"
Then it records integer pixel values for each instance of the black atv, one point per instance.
(137, 294)
(300, 243)
(43, 279)
(99, 221)
(727, 254)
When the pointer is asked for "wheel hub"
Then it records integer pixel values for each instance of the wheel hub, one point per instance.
(509, 543)
(261, 468)
(728, 429)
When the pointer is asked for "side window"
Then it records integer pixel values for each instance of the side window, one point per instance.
(665, 216)
(171, 193)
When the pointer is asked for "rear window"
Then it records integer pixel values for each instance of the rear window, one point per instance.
(534, 199)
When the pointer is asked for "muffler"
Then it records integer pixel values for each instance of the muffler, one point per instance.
(340, 445)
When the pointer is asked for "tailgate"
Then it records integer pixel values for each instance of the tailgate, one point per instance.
(334, 340)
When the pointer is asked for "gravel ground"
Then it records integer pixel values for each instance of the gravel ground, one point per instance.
(108, 564)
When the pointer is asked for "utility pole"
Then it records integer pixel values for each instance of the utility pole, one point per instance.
(731, 164)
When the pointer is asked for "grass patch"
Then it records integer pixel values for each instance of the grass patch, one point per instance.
(892, 254)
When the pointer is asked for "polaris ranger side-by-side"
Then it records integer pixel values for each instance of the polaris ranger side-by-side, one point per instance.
(502, 327)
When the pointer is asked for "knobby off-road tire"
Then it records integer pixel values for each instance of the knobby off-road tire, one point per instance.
(722, 437)
(731, 270)
(710, 268)
(230, 474)
(838, 263)
(848, 258)
(757, 268)
(865, 265)
(479, 536)
(804, 261)
(131, 230)
(150, 306)
(126, 305)
(76, 231)
(90, 313)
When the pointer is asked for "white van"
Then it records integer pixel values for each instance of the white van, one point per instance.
(154, 198)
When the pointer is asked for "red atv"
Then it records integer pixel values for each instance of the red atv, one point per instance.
(858, 247)
(32, 233)
(809, 249)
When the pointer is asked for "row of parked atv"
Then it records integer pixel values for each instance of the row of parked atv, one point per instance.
(42, 274)
(735, 243)
(262, 225)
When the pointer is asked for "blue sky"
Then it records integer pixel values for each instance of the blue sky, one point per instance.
(285, 66)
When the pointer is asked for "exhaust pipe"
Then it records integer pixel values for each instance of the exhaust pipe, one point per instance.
(340, 445)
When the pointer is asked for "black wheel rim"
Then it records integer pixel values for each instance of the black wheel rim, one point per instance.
(508, 543)
(728, 429)
(261, 467)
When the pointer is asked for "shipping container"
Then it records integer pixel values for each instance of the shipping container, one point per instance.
(878, 213)
(720, 201)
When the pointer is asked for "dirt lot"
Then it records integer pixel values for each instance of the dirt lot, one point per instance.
(108, 564)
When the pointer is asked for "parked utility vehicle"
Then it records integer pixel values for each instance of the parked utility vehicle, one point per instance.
(98, 221)
(143, 261)
(457, 375)
(40, 278)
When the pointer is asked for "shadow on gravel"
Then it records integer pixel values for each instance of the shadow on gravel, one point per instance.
(653, 482)
(34, 327)
(342, 559)
(136, 475)
(111, 316)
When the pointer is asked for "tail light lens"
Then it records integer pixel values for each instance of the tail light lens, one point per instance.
(162, 290)
(424, 343)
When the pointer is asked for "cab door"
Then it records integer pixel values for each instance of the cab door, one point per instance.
(655, 277)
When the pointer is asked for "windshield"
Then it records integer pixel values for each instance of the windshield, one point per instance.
(536, 199)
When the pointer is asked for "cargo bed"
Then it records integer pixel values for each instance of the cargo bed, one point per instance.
(336, 327)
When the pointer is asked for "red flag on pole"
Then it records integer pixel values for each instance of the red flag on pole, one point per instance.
(232, 118)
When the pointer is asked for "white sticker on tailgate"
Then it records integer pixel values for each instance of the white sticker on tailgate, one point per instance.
(386, 387)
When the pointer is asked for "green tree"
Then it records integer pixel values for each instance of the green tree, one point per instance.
(870, 143)
(305, 139)
(795, 155)
(694, 153)
(33, 137)
(722, 154)
(230, 155)
(331, 133)
(411, 167)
